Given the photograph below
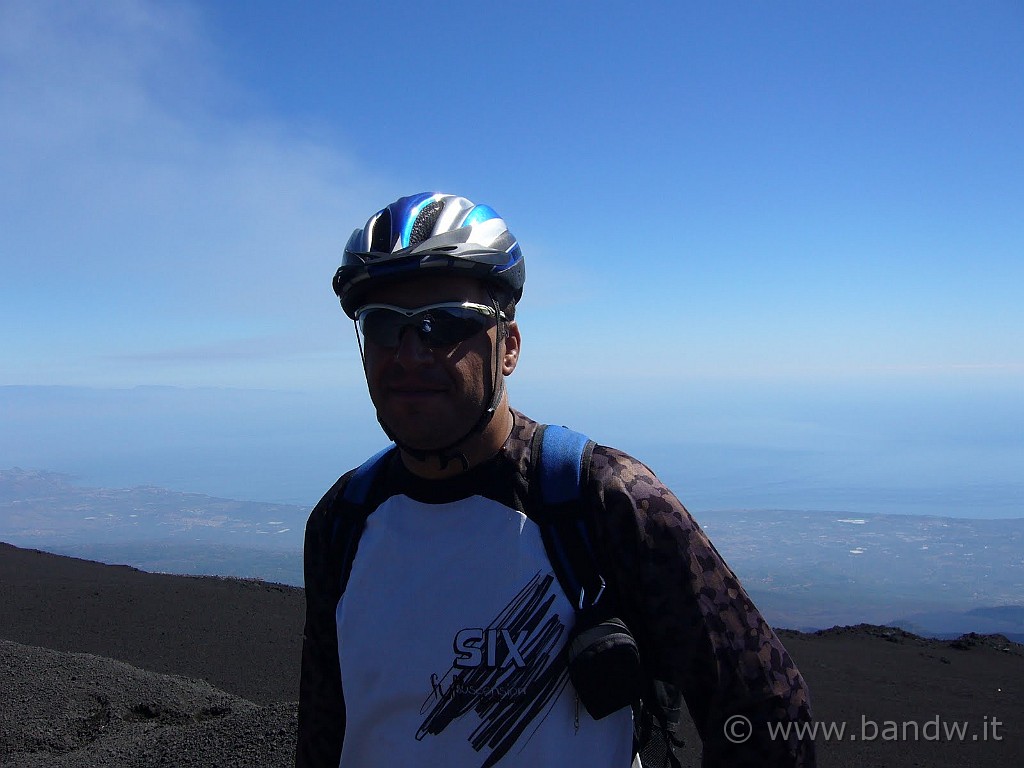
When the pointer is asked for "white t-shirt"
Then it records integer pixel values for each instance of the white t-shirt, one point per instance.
(450, 635)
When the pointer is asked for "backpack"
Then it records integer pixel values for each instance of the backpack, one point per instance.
(560, 459)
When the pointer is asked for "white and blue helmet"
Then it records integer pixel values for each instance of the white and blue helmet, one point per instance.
(435, 233)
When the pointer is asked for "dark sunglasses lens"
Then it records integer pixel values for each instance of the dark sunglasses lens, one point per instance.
(437, 327)
(382, 326)
(442, 328)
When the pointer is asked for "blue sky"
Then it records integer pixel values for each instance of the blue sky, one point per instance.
(792, 229)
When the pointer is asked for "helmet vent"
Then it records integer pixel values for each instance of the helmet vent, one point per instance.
(380, 241)
(424, 223)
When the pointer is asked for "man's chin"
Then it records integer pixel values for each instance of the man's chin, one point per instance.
(421, 433)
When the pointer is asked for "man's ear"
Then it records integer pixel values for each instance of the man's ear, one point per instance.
(513, 343)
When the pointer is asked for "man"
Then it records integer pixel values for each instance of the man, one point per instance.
(435, 627)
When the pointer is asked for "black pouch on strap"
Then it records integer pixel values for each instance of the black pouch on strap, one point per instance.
(604, 664)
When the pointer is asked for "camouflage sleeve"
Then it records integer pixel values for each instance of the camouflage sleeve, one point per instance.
(698, 631)
(321, 703)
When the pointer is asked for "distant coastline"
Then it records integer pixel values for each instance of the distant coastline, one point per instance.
(806, 570)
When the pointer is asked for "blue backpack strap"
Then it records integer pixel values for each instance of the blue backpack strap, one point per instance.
(561, 462)
(358, 486)
(351, 518)
(561, 468)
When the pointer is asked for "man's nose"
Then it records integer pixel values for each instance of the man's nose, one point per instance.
(411, 349)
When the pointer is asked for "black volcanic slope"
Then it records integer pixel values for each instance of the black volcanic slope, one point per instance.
(239, 635)
(109, 666)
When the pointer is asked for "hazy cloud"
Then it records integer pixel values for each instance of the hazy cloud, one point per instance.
(146, 205)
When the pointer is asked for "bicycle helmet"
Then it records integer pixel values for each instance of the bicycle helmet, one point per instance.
(434, 232)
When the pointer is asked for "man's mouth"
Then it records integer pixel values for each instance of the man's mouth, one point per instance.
(416, 390)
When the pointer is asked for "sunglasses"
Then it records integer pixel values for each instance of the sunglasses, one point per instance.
(438, 325)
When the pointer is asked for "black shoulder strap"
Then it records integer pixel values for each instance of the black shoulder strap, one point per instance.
(350, 520)
(560, 462)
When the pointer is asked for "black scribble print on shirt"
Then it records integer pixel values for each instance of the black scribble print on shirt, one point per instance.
(508, 673)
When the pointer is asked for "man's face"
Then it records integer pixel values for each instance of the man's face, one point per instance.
(429, 398)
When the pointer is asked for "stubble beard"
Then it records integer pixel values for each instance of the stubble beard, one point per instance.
(428, 427)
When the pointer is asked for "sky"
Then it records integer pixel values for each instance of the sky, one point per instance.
(773, 249)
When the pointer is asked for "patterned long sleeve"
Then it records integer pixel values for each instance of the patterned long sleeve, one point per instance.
(697, 628)
(321, 703)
